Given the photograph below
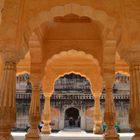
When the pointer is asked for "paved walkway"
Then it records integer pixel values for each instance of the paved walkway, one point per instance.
(72, 135)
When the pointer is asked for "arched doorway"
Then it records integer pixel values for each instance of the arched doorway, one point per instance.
(72, 118)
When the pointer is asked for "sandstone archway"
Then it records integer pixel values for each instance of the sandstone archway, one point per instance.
(72, 62)
(100, 17)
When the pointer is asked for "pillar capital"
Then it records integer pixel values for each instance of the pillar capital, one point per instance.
(96, 91)
(48, 94)
(97, 95)
(131, 56)
(134, 66)
(10, 56)
(10, 66)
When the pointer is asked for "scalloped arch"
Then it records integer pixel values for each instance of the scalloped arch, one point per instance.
(22, 72)
(95, 15)
(123, 72)
(98, 16)
(77, 73)
(92, 76)
(73, 53)
(48, 84)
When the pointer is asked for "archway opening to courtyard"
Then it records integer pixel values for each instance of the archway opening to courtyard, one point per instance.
(72, 97)
(121, 89)
(60, 71)
(72, 118)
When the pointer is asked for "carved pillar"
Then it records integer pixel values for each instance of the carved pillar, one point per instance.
(108, 74)
(134, 112)
(47, 115)
(8, 101)
(8, 97)
(97, 117)
(110, 113)
(34, 112)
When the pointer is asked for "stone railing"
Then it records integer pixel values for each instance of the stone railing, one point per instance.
(23, 94)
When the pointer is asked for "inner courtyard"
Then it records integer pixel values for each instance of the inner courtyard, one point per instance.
(72, 100)
(70, 66)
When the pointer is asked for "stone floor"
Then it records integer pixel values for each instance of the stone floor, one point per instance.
(71, 135)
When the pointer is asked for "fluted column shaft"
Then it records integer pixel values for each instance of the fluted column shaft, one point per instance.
(134, 112)
(110, 114)
(97, 117)
(1, 72)
(34, 112)
(47, 115)
(8, 100)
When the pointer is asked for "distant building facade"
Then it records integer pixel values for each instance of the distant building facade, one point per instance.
(72, 103)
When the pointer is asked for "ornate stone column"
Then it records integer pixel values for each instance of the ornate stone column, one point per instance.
(34, 112)
(8, 96)
(134, 112)
(110, 114)
(47, 115)
(132, 57)
(97, 117)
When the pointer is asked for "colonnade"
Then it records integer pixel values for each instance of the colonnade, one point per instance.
(8, 105)
(46, 116)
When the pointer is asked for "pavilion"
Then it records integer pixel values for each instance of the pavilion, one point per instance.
(50, 38)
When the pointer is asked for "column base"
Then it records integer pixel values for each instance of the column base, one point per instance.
(45, 132)
(46, 129)
(33, 134)
(97, 129)
(111, 134)
(5, 134)
(10, 137)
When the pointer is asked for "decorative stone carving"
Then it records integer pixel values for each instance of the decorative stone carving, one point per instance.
(20, 19)
(110, 114)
